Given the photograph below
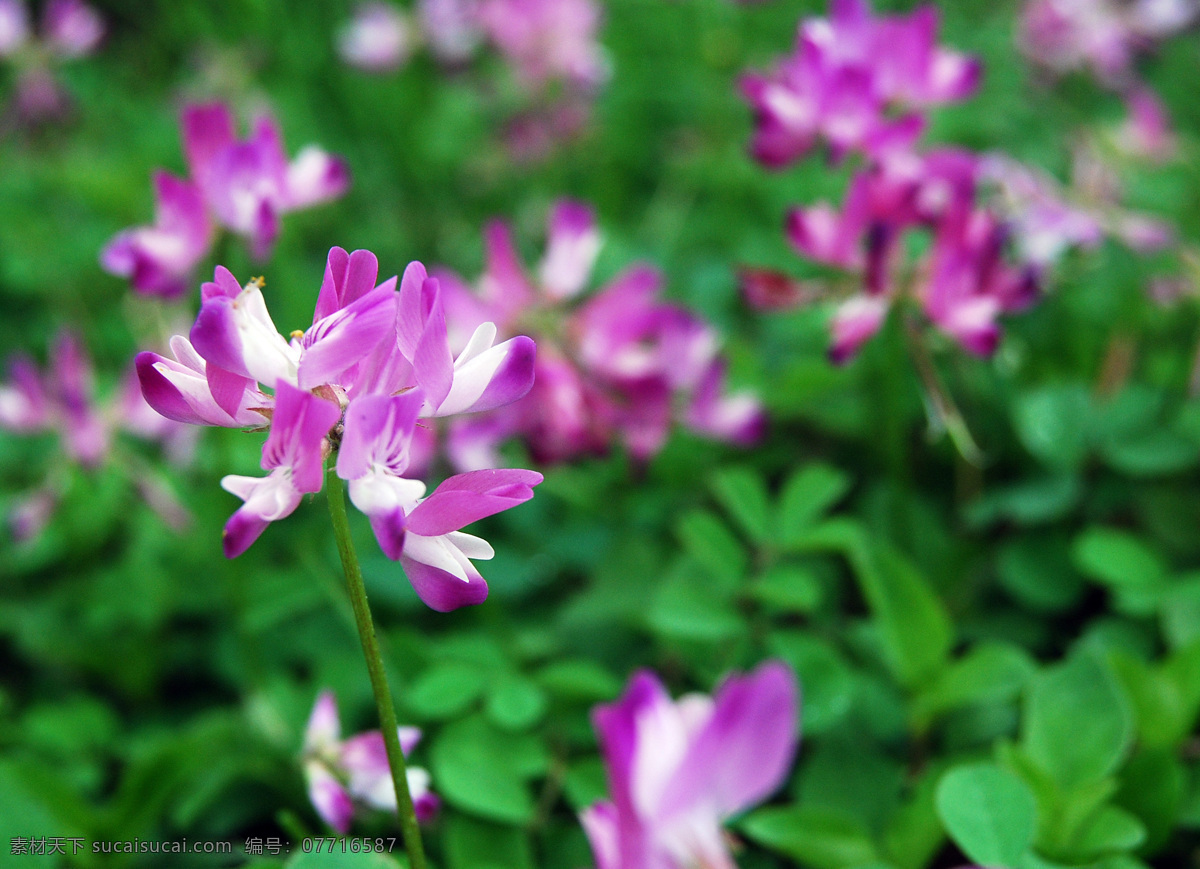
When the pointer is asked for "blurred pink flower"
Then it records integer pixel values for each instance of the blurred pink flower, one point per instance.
(62, 400)
(855, 82)
(547, 39)
(619, 363)
(678, 769)
(379, 38)
(343, 774)
(1105, 35)
(245, 186)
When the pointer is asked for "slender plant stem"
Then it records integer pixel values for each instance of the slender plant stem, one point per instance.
(383, 696)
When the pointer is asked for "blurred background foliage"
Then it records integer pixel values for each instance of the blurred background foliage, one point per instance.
(1000, 664)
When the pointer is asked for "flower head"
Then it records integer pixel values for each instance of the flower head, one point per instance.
(856, 82)
(242, 185)
(620, 363)
(374, 362)
(677, 769)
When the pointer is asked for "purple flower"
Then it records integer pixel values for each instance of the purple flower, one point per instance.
(1105, 35)
(159, 260)
(620, 362)
(72, 28)
(344, 774)
(14, 26)
(846, 81)
(451, 27)
(244, 186)
(249, 184)
(378, 38)
(62, 400)
(547, 39)
(676, 770)
(375, 360)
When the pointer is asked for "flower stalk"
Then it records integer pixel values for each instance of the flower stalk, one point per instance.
(379, 686)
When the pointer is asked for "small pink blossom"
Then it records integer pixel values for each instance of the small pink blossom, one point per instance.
(344, 775)
(379, 38)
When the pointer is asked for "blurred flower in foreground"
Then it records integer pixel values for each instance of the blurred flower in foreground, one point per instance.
(374, 361)
(70, 29)
(1105, 35)
(620, 363)
(62, 400)
(244, 186)
(344, 772)
(855, 82)
(677, 769)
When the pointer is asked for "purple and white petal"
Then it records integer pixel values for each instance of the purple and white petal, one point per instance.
(469, 497)
(14, 26)
(572, 244)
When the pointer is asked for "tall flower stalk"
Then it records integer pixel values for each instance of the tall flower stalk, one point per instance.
(379, 684)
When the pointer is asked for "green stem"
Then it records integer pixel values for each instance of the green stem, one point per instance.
(383, 696)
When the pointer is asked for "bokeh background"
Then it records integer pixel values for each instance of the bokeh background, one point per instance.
(1039, 611)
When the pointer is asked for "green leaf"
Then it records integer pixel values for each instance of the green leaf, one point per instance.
(474, 774)
(579, 679)
(1036, 569)
(829, 684)
(1180, 611)
(1132, 570)
(743, 493)
(687, 607)
(990, 673)
(1077, 725)
(912, 622)
(1052, 423)
(714, 547)
(988, 811)
(475, 844)
(806, 496)
(515, 702)
(789, 588)
(820, 838)
(1110, 829)
(445, 690)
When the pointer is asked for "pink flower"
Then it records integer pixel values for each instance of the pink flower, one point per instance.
(620, 362)
(245, 186)
(62, 400)
(374, 361)
(378, 38)
(547, 39)
(451, 27)
(677, 770)
(848, 76)
(1105, 35)
(344, 774)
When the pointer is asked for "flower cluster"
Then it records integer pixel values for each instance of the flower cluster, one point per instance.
(857, 83)
(345, 773)
(1103, 35)
(63, 400)
(243, 185)
(374, 361)
(676, 770)
(69, 29)
(545, 40)
(621, 363)
(549, 44)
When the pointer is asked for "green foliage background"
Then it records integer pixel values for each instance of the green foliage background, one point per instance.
(999, 666)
